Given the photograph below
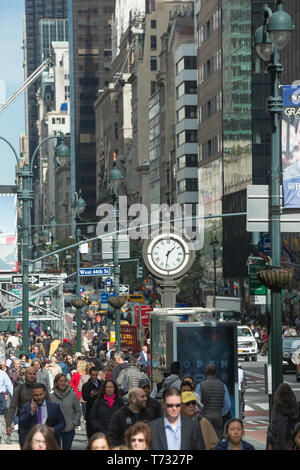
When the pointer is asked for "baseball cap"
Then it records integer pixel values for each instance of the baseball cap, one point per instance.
(188, 396)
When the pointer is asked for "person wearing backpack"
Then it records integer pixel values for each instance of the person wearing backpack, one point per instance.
(129, 378)
(284, 416)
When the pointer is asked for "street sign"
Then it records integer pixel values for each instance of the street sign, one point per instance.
(108, 282)
(33, 279)
(264, 244)
(255, 286)
(258, 299)
(124, 289)
(101, 271)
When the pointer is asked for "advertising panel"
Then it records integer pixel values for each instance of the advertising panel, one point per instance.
(196, 346)
(8, 233)
(290, 144)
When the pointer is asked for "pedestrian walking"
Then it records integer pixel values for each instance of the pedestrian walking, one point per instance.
(128, 415)
(40, 411)
(42, 375)
(191, 410)
(41, 438)
(6, 388)
(90, 392)
(76, 378)
(105, 406)
(234, 431)
(138, 436)
(21, 395)
(130, 377)
(120, 364)
(284, 416)
(69, 404)
(174, 431)
(173, 380)
(98, 441)
(215, 398)
(153, 405)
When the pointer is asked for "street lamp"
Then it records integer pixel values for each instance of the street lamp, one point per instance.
(273, 35)
(115, 178)
(78, 207)
(25, 194)
(214, 243)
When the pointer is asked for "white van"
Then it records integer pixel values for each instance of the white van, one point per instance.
(247, 345)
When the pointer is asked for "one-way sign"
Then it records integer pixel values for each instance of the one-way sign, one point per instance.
(33, 279)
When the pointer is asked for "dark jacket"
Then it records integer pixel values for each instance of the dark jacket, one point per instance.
(154, 408)
(117, 369)
(101, 414)
(212, 398)
(55, 420)
(22, 394)
(223, 445)
(86, 395)
(191, 436)
(122, 420)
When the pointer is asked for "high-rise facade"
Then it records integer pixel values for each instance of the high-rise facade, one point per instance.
(90, 38)
(35, 11)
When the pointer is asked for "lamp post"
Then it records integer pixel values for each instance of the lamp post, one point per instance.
(25, 194)
(115, 178)
(78, 207)
(214, 243)
(273, 35)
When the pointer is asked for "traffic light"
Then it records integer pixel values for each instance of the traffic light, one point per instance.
(139, 271)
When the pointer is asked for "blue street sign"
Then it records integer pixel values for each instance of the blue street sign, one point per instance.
(102, 271)
(108, 282)
(81, 290)
(264, 244)
(103, 297)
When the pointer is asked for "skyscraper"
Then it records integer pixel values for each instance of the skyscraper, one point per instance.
(90, 38)
(35, 11)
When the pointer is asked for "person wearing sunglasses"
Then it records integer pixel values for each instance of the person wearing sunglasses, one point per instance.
(191, 410)
(175, 431)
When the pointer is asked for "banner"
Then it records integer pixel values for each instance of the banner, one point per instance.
(8, 233)
(290, 146)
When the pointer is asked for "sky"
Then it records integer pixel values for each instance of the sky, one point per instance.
(12, 119)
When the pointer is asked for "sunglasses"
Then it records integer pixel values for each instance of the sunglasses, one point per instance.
(137, 440)
(171, 405)
(190, 403)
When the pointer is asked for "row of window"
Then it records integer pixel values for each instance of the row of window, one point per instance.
(210, 148)
(188, 136)
(210, 108)
(205, 31)
(186, 63)
(189, 87)
(188, 184)
(210, 66)
(186, 112)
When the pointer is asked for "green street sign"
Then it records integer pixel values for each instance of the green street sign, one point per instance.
(255, 286)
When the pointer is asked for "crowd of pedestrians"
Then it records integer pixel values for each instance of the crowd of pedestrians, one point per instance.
(47, 396)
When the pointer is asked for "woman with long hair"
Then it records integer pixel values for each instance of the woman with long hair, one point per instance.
(105, 406)
(98, 441)
(69, 404)
(284, 416)
(41, 438)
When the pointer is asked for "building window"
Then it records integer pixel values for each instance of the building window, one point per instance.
(153, 24)
(153, 62)
(116, 131)
(153, 43)
(188, 161)
(190, 87)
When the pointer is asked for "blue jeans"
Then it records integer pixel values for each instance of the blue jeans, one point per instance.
(3, 405)
(66, 439)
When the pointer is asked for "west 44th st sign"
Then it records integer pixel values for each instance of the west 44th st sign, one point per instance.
(102, 271)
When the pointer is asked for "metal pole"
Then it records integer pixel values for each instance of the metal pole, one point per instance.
(78, 310)
(275, 107)
(116, 271)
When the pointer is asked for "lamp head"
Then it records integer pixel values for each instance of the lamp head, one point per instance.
(115, 176)
(263, 45)
(62, 152)
(280, 27)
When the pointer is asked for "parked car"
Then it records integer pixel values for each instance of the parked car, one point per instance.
(247, 345)
(290, 344)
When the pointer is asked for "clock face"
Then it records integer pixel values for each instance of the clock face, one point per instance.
(168, 254)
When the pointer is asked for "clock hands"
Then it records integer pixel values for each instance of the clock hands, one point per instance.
(170, 251)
